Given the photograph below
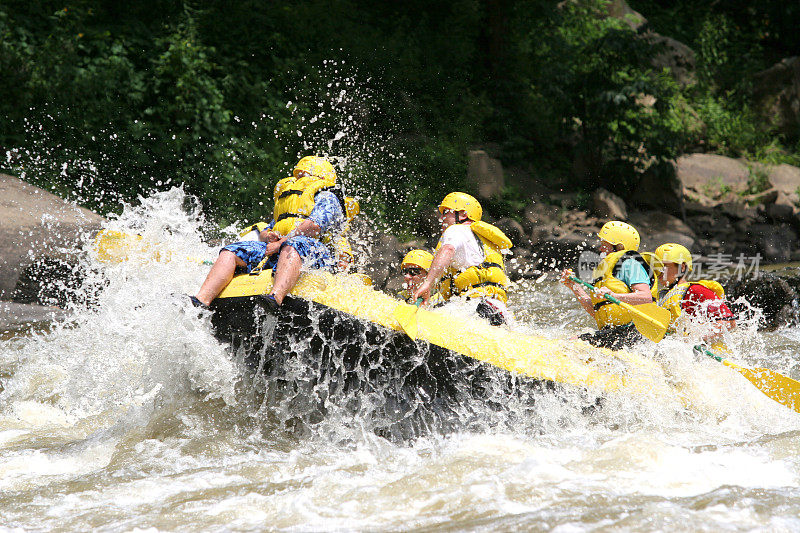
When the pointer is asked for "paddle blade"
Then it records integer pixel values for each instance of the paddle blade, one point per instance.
(782, 389)
(651, 320)
(115, 246)
(406, 316)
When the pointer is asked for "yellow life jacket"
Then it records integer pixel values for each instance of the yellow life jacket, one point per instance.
(294, 200)
(605, 275)
(671, 299)
(486, 280)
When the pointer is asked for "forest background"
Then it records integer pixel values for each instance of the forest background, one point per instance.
(102, 101)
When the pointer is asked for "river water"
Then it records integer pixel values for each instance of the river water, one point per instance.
(131, 416)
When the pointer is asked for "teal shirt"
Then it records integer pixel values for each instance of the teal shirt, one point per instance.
(632, 272)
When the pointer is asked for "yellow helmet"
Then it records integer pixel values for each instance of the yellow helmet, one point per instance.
(351, 207)
(461, 201)
(616, 232)
(315, 166)
(420, 258)
(674, 253)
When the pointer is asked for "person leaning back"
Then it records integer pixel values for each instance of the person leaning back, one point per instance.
(308, 210)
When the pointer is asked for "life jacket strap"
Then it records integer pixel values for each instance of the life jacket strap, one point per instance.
(598, 305)
(290, 192)
(290, 215)
(488, 264)
(485, 284)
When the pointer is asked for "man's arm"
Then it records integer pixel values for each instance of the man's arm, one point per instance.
(634, 276)
(275, 242)
(327, 214)
(640, 295)
(442, 260)
(267, 234)
(578, 291)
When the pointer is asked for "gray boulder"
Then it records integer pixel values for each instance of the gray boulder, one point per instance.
(383, 259)
(539, 213)
(35, 224)
(781, 211)
(773, 242)
(15, 315)
(394, 283)
(558, 254)
(608, 205)
(651, 222)
(776, 94)
(775, 295)
(712, 175)
(786, 180)
(485, 173)
(738, 210)
(676, 56)
(428, 223)
(542, 233)
(513, 231)
(654, 240)
(621, 10)
(659, 189)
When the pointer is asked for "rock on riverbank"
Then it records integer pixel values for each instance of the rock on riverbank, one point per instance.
(35, 224)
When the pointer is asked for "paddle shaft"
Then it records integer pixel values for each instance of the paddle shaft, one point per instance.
(651, 321)
(608, 297)
(776, 386)
(703, 349)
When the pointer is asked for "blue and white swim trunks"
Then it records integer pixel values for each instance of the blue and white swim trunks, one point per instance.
(327, 214)
(313, 253)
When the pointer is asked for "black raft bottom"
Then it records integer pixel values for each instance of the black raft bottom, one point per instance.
(315, 360)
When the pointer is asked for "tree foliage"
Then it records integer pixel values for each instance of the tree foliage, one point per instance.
(107, 100)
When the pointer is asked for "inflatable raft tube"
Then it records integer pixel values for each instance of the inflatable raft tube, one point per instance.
(336, 338)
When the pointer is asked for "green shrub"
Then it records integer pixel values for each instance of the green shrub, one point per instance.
(757, 181)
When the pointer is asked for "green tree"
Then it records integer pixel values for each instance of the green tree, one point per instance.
(594, 75)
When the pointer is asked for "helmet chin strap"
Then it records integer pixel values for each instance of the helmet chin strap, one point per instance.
(460, 220)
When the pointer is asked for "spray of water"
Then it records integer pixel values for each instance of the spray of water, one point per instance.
(132, 412)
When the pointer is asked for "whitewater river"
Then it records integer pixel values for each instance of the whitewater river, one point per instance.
(130, 416)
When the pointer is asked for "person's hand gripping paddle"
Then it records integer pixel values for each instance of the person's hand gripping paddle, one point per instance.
(651, 320)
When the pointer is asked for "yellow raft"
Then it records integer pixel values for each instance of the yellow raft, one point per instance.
(572, 362)
(335, 345)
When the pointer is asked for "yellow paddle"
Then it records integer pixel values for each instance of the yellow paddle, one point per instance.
(406, 316)
(778, 387)
(116, 247)
(651, 320)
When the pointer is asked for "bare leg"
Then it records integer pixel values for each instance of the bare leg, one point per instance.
(219, 276)
(288, 268)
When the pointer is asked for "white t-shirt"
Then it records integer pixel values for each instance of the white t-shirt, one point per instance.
(468, 252)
